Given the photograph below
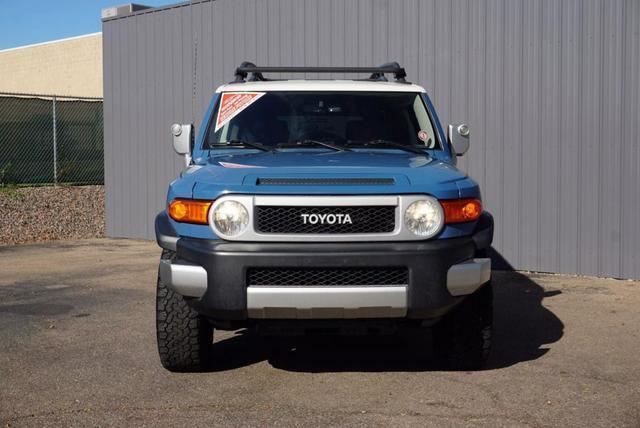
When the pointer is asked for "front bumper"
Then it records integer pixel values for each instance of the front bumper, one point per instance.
(441, 273)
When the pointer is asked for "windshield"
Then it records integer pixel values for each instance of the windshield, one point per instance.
(349, 119)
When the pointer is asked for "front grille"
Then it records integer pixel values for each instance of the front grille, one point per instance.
(327, 276)
(310, 181)
(290, 220)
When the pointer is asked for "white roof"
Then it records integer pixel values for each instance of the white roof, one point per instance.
(320, 85)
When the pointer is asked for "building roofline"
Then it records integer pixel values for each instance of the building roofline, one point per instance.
(66, 39)
(156, 9)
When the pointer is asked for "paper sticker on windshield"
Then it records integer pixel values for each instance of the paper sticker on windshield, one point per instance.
(233, 103)
(423, 135)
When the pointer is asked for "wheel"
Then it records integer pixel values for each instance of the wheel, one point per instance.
(185, 338)
(463, 337)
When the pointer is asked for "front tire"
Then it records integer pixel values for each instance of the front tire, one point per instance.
(185, 338)
(463, 337)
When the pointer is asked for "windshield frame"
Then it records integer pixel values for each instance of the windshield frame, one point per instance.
(441, 150)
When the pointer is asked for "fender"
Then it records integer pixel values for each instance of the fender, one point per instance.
(166, 236)
(483, 233)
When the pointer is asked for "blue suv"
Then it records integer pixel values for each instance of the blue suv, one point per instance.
(332, 204)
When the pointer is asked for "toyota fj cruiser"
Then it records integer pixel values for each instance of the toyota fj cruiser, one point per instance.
(311, 204)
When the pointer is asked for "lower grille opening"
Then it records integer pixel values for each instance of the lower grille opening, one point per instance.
(284, 277)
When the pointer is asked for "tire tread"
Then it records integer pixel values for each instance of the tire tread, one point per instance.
(463, 337)
(184, 337)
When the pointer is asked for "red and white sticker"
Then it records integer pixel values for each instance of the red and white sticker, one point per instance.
(422, 134)
(232, 103)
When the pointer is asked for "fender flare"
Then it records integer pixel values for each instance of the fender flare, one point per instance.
(166, 236)
(483, 233)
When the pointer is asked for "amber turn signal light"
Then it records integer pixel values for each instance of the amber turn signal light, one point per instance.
(189, 210)
(461, 210)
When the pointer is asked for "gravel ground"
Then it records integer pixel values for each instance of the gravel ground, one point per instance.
(78, 348)
(34, 214)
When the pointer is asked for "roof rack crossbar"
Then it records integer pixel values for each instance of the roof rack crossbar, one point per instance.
(377, 73)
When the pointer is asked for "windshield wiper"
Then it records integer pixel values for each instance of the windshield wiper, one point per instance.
(405, 147)
(242, 143)
(306, 143)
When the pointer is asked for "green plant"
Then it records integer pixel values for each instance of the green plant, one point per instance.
(10, 192)
(5, 174)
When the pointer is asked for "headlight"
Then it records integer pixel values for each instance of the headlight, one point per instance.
(230, 218)
(424, 217)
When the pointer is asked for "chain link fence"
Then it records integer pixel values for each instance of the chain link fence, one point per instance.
(50, 140)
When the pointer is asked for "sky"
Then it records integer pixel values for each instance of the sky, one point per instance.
(24, 22)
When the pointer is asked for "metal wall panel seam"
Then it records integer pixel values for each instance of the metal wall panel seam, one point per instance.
(623, 41)
(599, 146)
(581, 138)
(540, 85)
(560, 114)
(623, 96)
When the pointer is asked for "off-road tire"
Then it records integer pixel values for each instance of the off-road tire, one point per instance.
(463, 337)
(185, 338)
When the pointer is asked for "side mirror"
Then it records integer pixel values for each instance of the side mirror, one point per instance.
(182, 137)
(459, 138)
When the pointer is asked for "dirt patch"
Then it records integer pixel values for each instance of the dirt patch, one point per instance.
(35, 214)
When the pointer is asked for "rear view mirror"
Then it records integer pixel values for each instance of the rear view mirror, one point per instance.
(459, 138)
(182, 135)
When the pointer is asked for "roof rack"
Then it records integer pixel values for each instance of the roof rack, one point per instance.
(377, 73)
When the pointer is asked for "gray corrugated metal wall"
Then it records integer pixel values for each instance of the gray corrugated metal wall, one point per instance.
(550, 88)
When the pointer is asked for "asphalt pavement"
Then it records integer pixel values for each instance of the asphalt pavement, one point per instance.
(77, 347)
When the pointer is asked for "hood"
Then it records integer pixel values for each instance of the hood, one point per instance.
(324, 159)
(241, 172)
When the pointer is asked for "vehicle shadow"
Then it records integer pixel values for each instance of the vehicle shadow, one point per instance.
(523, 329)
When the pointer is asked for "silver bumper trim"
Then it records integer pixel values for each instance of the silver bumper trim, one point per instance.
(187, 280)
(327, 302)
(465, 278)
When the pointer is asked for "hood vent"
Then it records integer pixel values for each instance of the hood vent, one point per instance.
(325, 182)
